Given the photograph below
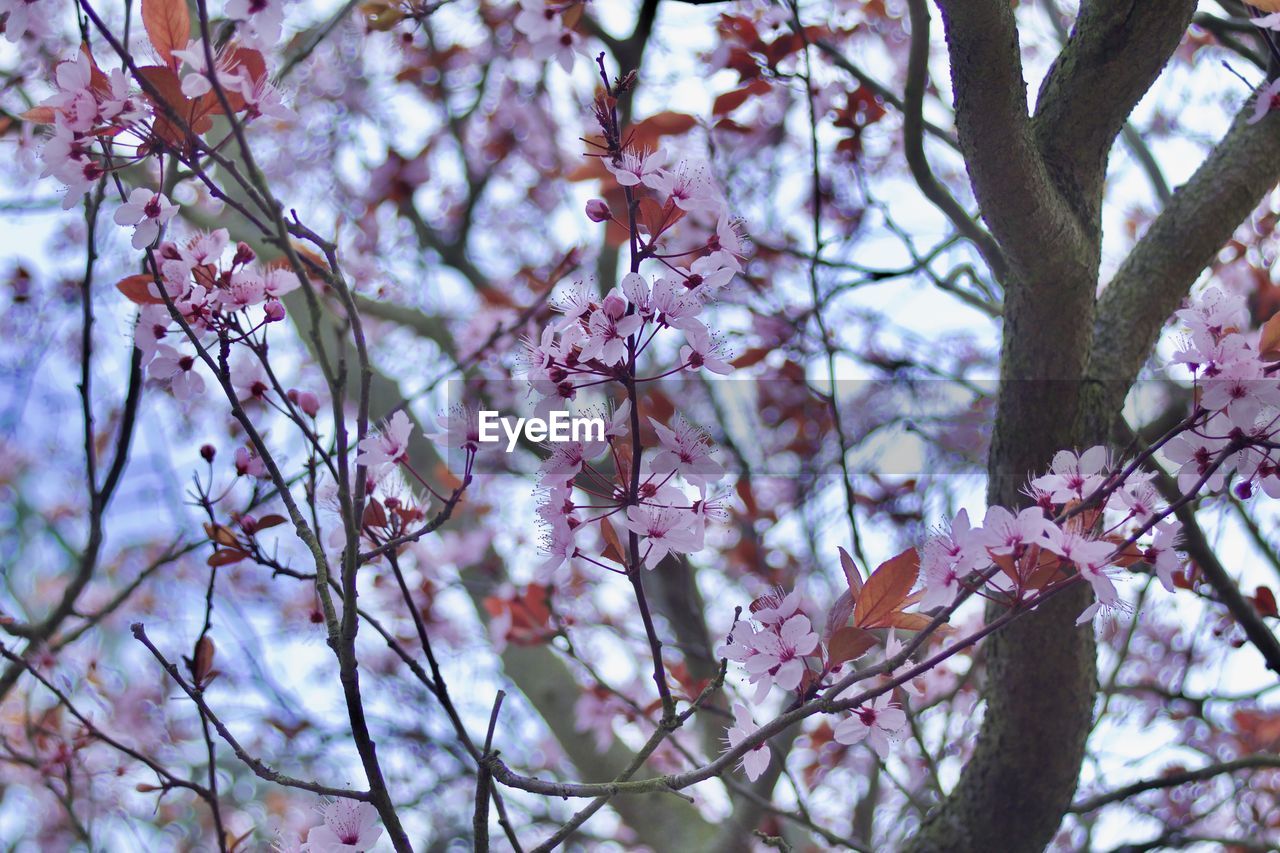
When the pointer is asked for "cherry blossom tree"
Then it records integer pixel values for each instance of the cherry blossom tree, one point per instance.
(932, 500)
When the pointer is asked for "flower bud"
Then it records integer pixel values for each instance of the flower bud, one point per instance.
(207, 452)
(275, 310)
(598, 211)
(305, 400)
(614, 306)
(244, 254)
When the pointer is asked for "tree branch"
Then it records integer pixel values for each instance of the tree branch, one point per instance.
(1173, 780)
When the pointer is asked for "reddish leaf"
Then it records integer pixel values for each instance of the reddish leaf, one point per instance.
(647, 133)
(168, 25)
(1264, 601)
(226, 557)
(235, 59)
(222, 535)
(169, 88)
(1269, 340)
(754, 355)
(886, 589)
(270, 521)
(849, 644)
(838, 615)
(730, 101)
(39, 115)
(137, 288)
(910, 621)
(851, 574)
(613, 546)
(374, 514)
(202, 660)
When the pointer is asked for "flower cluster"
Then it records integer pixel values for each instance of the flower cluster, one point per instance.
(220, 292)
(600, 340)
(1090, 516)
(349, 826)
(548, 27)
(101, 123)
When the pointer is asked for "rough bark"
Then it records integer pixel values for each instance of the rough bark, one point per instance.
(1039, 182)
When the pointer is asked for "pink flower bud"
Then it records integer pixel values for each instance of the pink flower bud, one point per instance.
(275, 310)
(305, 400)
(207, 452)
(614, 306)
(244, 254)
(598, 211)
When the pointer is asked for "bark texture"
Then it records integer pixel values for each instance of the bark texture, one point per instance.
(1068, 359)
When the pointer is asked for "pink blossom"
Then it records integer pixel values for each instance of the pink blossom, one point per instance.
(686, 451)
(1266, 99)
(687, 185)
(705, 350)
(779, 655)
(947, 558)
(756, 760)
(178, 369)
(1090, 556)
(349, 827)
(598, 211)
(459, 428)
(1161, 553)
(146, 211)
(878, 722)
(1073, 477)
(262, 20)
(607, 333)
(1195, 455)
(1005, 533)
(389, 445)
(635, 167)
(249, 464)
(665, 529)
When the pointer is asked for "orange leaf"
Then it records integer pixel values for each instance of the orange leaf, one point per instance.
(137, 288)
(851, 574)
(613, 546)
(202, 660)
(849, 644)
(1264, 601)
(39, 115)
(222, 535)
(1269, 340)
(647, 133)
(910, 621)
(886, 589)
(226, 557)
(754, 355)
(168, 25)
(270, 521)
(166, 83)
(730, 101)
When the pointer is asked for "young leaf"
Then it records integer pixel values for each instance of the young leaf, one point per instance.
(137, 288)
(613, 546)
(39, 115)
(849, 644)
(202, 660)
(168, 25)
(839, 613)
(886, 590)
(1269, 339)
(851, 574)
(226, 557)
